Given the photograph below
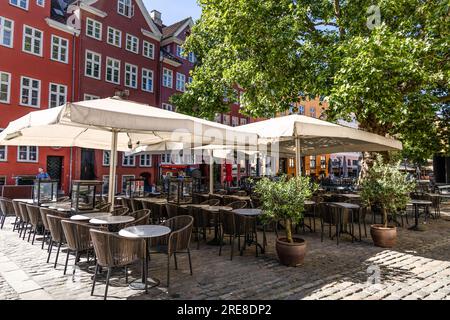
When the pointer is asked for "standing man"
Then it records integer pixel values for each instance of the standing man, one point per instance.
(42, 175)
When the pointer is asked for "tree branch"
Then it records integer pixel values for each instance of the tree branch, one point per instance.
(337, 12)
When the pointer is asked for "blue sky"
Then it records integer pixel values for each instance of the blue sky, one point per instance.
(174, 10)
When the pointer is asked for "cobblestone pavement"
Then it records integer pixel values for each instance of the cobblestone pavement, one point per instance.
(417, 268)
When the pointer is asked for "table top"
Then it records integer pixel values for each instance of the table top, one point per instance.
(89, 216)
(346, 205)
(146, 231)
(107, 220)
(309, 202)
(154, 200)
(248, 212)
(29, 201)
(217, 208)
(352, 195)
(414, 201)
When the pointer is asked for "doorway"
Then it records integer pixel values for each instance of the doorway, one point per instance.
(54, 168)
(87, 164)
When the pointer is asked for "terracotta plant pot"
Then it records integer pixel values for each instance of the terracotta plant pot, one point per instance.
(382, 236)
(291, 254)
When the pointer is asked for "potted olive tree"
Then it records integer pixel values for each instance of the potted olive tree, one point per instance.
(284, 200)
(388, 188)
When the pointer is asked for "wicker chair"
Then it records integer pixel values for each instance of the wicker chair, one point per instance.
(228, 199)
(216, 197)
(237, 205)
(25, 219)
(233, 226)
(126, 202)
(211, 202)
(142, 218)
(113, 251)
(7, 210)
(241, 193)
(17, 212)
(120, 211)
(177, 241)
(172, 210)
(35, 220)
(78, 240)
(136, 204)
(104, 207)
(200, 223)
(56, 230)
(47, 235)
(64, 199)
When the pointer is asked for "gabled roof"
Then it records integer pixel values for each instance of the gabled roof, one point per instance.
(175, 29)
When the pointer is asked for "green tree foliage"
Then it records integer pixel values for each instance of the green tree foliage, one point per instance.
(387, 65)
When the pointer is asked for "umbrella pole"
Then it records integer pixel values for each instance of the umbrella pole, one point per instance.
(112, 168)
(211, 173)
(298, 157)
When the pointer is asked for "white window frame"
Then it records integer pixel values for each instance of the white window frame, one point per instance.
(191, 57)
(95, 24)
(30, 88)
(124, 156)
(234, 121)
(166, 158)
(105, 179)
(40, 3)
(242, 121)
(227, 119)
(18, 4)
(115, 33)
(180, 51)
(33, 38)
(166, 78)
(28, 154)
(106, 156)
(150, 47)
(125, 177)
(144, 157)
(60, 46)
(312, 112)
(58, 94)
(181, 82)
(5, 159)
(145, 79)
(99, 64)
(167, 106)
(114, 69)
(3, 29)
(130, 6)
(129, 73)
(132, 40)
(8, 93)
(88, 96)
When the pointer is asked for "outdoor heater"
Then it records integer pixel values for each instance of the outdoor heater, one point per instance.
(180, 190)
(135, 187)
(44, 191)
(84, 194)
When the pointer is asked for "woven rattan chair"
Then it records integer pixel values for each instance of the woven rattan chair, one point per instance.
(177, 241)
(200, 224)
(35, 220)
(18, 214)
(142, 218)
(237, 205)
(172, 210)
(232, 226)
(78, 240)
(104, 207)
(47, 235)
(113, 251)
(7, 210)
(56, 230)
(136, 204)
(120, 211)
(25, 219)
(216, 197)
(211, 202)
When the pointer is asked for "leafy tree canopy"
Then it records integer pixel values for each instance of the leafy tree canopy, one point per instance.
(386, 64)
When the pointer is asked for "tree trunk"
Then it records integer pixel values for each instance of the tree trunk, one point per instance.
(385, 217)
(288, 224)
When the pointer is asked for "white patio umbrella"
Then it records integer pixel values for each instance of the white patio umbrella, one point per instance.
(114, 124)
(301, 135)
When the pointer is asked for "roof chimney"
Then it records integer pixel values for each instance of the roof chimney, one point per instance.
(156, 16)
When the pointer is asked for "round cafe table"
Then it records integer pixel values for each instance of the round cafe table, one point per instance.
(89, 216)
(111, 221)
(214, 210)
(417, 204)
(145, 232)
(251, 215)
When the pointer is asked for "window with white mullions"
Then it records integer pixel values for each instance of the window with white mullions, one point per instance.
(113, 70)
(148, 50)
(58, 95)
(93, 29)
(30, 92)
(106, 157)
(147, 80)
(114, 37)
(181, 82)
(125, 8)
(20, 3)
(93, 65)
(5, 87)
(167, 78)
(60, 49)
(146, 160)
(6, 32)
(3, 152)
(128, 160)
(27, 154)
(132, 44)
(131, 75)
(32, 40)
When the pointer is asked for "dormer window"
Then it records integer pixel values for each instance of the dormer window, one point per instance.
(125, 8)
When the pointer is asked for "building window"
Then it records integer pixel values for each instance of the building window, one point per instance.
(125, 179)
(93, 65)
(6, 32)
(167, 106)
(128, 161)
(32, 40)
(148, 50)
(243, 121)
(180, 51)
(234, 121)
(181, 82)
(131, 75)
(27, 154)
(132, 43)
(192, 57)
(114, 37)
(355, 162)
(88, 97)
(226, 119)
(2, 180)
(166, 158)
(106, 185)
(218, 118)
(40, 3)
(147, 80)
(301, 110)
(30, 92)
(323, 162)
(3, 152)
(112, 70)
(93, 29)
(20, 3)
(146, 160)
(125, 8)
(60, 49)
(5, 87)
(58, 95)
(167, 78)
(312, 162)
(106, 158)
(291, 163)
(312, 112)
